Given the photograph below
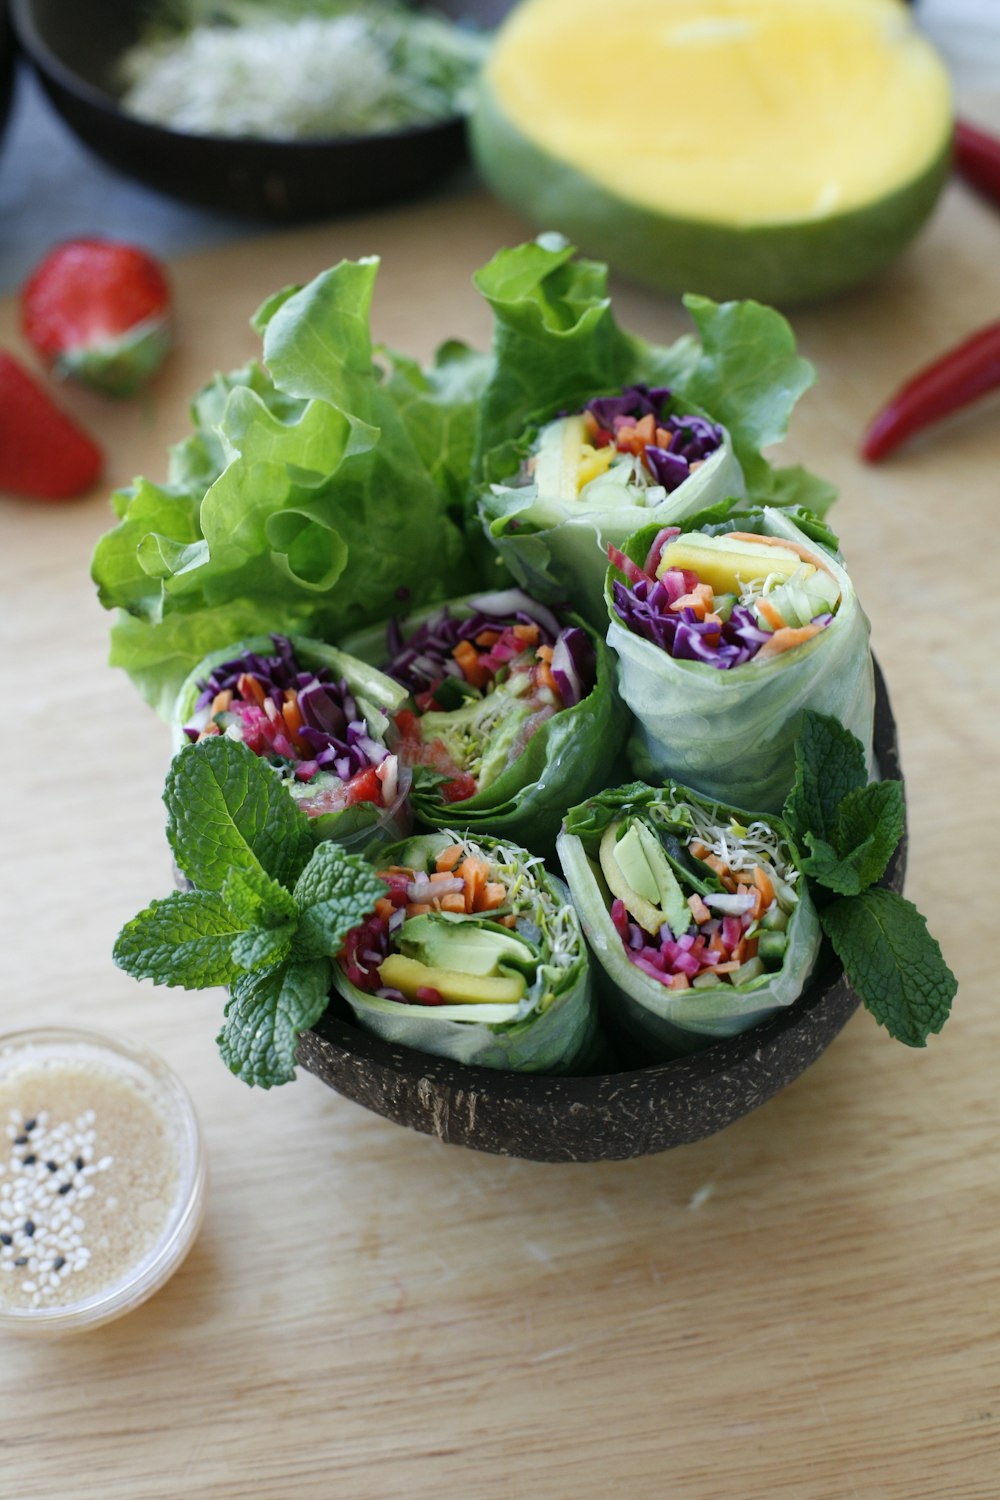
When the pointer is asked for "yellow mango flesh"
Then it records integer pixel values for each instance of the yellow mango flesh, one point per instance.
(408, 975)
(729, 568)
(735, 112)
(594, 461)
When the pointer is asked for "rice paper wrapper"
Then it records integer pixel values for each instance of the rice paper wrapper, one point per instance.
(575, 752)
(732, 733)
(559, 1035)
(661, 1022)
(364, 825)
(558, 552)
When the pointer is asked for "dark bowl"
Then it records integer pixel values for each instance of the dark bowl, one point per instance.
(610, 1116)
(75, 48)
(7, 64)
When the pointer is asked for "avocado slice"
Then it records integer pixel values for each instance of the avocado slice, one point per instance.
(408, 975)
(466, 945)
(638, 871)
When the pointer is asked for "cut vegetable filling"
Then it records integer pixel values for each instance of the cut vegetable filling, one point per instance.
(725, 600)
(306, 724)
(466, 926)
(483, 686)
(698, 903)
(619, 450)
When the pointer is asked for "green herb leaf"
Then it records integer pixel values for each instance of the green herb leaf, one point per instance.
(264, 946)
(335, 892)
(264, 1016)
(185, 940)
(829, 763)
(227, 810)
(869, 825)
(893, 963)
(257, 900)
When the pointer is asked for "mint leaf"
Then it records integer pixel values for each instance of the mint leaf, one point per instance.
(829, 763)
(185, 940)
(869, 825)
(334, 893)
(824, 865)
(892, 962)
(258, 900)
(264, 946)
(227, 810)
(264, 1017)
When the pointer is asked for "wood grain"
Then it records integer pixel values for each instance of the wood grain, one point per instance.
(804, 1307)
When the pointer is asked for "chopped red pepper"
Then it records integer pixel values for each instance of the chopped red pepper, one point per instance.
(958, 378)
(977, 159)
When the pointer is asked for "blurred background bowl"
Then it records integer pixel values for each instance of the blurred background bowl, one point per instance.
(7, 64)
(75, 49)
(609, 1116)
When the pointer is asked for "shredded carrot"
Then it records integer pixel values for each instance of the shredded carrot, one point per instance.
(221, 702)
(773, 616)
(699, 910)
(209, 729)
(726, 968)
(698, 849)
(455, 902)
(468, 659)
(545, 652)
(679, 982)
(449, 858)
(527, 634)
(544, 677)
(250, 690)
(418, 908)
(487, 638)
(701, 599)
(716, 944)
(494, 895)
(646, 428)
(474, 873)
(764, 884)
(384, 908)
(663, 437)
(787, 638)
(508, 921)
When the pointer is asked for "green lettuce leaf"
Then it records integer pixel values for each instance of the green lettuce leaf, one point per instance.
(303, 501)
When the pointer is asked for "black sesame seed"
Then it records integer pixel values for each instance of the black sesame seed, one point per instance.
(5, 1239)
(79, 1164)
(29, 1161)
(65, 1189)
(59, 1262)
(52, 1166)
(22, 1260)
(30, 1124)
(29, 1228)
(20, 1140)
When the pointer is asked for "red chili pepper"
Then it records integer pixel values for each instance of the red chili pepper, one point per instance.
(977, 159)
(957, 379)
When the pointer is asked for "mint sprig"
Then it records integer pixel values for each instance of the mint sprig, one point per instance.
(847, 832)
(268, 912)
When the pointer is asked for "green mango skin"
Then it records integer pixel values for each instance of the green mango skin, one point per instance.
(783, 264)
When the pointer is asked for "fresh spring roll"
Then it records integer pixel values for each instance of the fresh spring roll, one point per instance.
(593, 478)
(320, 718)
(724, 636)
(475, 953)
(515, 712)
(695, 910)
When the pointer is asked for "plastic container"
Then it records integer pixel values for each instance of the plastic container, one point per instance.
(102, 1179)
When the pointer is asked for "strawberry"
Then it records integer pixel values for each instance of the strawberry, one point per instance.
(43, 453)
(99, 311)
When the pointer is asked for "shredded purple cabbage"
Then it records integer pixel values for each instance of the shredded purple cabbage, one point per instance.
(333, 726)
(420, 660)
(634, 401)
(647, 612)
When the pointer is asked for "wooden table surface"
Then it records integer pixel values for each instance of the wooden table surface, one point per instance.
(804, 1307)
